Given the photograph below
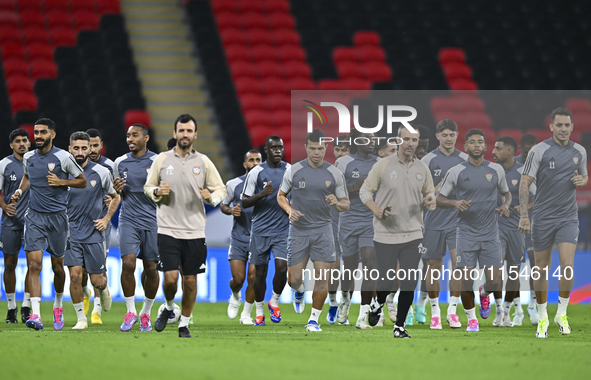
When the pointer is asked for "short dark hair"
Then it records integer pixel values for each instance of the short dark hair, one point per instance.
(424, 132)
(446, 124)
(272, 137)
(250, 151)
(342, 140)
(185, 118)
(79, 136)
(355, 133)
(474, 131)
(18, 132)
(93, 132)
(45, 121)
(560, 111)
(508, 141)
(528, 139)
(142, 127)
(315, 136)
(171, 143)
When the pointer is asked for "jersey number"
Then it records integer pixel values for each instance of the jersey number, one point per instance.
(552, 165)
(355, 175)
(124, 175)
(437, 172)
(13, 177)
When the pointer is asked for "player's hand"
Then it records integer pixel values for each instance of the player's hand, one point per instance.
(438, 185)
(107, 200)
(358, 184)
(503, 210)
(54, 180)
(236, 211)
(15, 197)
(267, 190)
(10, 209)
(430, 202)
(205, 194)
(462, 205)
(118, 184)
(295, 215)
(524, 226)
(518, 209)
(163, 189)
(578, 180)
(331, 199)
(384, 212)
(101, 224)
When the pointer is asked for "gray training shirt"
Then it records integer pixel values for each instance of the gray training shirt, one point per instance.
(110, 165)
(553, 166)
(442, 219)
(241, 226)
(479, 184)
(513, 177)
(309, 187)
(11, 175)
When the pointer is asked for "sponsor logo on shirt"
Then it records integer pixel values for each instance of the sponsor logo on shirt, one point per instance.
(514, 182)
(576, 160)
(93, 183)
(419, 177)
(327, 183)
(202, 266)
(196, 170)
(51, 166)
(488, 177)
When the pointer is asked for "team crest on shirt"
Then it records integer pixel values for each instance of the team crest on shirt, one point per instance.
(576, 160)
(488, 177)
(51, 166)
(514, 182)
(148, 170)
(196, 170)
(327, 183)
(93, 183)
(393, 175)
(419, 177)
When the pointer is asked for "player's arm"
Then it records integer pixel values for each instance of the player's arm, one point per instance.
(214, 190)
(449, 183)
(524, 224)
(428, 191)
(9, 209)
(153, 188)
(225, 205)
(340, 198)
(21, 189)
(370, 186)
(284, 189)
(78, 183)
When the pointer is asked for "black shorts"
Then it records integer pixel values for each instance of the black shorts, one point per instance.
(190, 255)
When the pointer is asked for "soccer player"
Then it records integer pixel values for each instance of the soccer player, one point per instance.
(527, 142)
(475, 184)
(171, 143)
(240, 238)
(86, 243)
(138, 228)
(356, 226)
(512, 241)
(340, 149)
(423, 146)
(180, 181)
(383, 149)
(315, 186)
(402, 184)
(269, 227)
(13, 221)
(558, 166)
(440, 227)
(46, 171)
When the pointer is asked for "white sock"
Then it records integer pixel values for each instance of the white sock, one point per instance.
(499, 304)
(27, 300)
(332, 299)
(345, 297)
(247, 309)
(423, 299)
(301, 288)
(11, 301)
(532, 299)
(435, 311)
(314, 315)
(260, 308)
(79, 308)
(275, 299)
(453, 305)
(363, 310)
(184, 321)
(562, 305)
(97, 306)
(507, 307)
(85, 291)
(148, 303)
(236, 295)
(130, 302)
(542, 310)
(471, 313)
(517, 304)
(169, 304)
(58, 300)
(36, 305)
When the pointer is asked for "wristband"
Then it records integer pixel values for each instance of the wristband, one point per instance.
(156, 191)
(19, 191)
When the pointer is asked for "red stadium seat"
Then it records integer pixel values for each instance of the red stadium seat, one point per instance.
(286, 37)
(455, 71)
(23, 101)
(350, 70)
(8, 5)
(137, 117)
(59, 19)
(329, 84)
(280, 118)
(281, 6)
(252, 102)
(232, 36)
(297, 69)
(221, 6)
(301, 84)
(259, 134)
(378, 71)
(254, 20)
(256, 119)
(85, 20)
(582, 122)
(31, 19)
(441, 103)
(269, 69)
(43, 68)
(36, 34)
(108, 6)
(63, 37)
(228, 20)
(344, 54)
(279, 102)
(265, 53)
(12, 50)
(478, 120)
(247, 86)
(241, 69)
(447, 55)
(34, 5)
(15, 67)
(466, 103)
(82, 6)
(40, 51)
(30, 128)
(275, 85)
(9, 18)
(16, 83)
(576, 105)
(259, 36)
(371, 53)
(245, 6)
(366, 38)
(291, 53)
(541, 134)
(355, 84)
(237, 53)
(279, 20)
(57, 5)
(10, 34)
(462, 85)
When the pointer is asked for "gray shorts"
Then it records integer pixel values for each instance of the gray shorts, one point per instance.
(352, 239)
(132, 240)
(545, 235)
(262, 246)
(319, 247)
(238, 251)
(437, 242)
(12, 241)
(91, 256)
(512, 246)
(108, 238)
(46, 231)
(486, 253)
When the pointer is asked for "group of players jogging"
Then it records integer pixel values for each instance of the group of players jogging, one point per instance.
(384, 206)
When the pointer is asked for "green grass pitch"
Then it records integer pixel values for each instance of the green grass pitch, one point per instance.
(224, 349)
